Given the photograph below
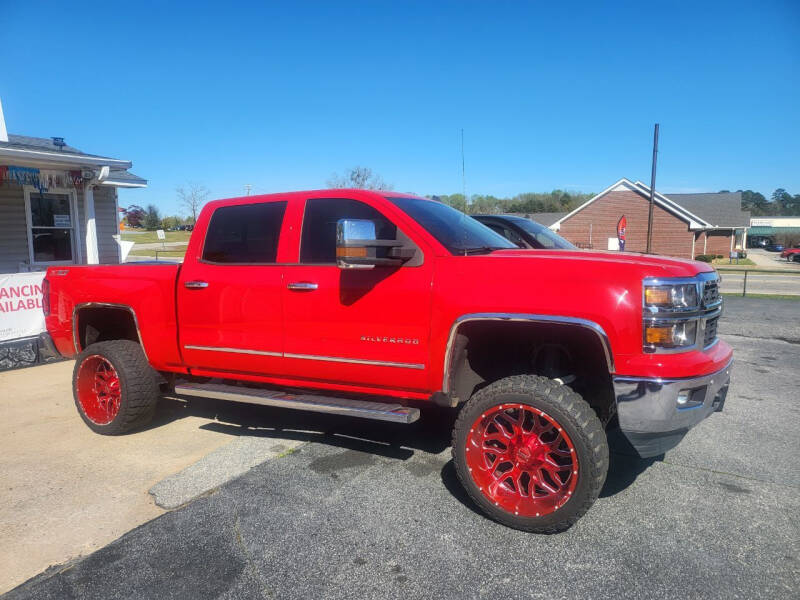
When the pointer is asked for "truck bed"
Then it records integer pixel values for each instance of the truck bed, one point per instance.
(147, 290)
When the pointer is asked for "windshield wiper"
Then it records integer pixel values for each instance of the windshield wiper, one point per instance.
(479, 250)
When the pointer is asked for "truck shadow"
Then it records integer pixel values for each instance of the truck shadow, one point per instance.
(625, 465)
(430, 435)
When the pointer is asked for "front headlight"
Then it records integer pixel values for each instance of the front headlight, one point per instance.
(671, 314)
(681, 296)
(670, 334)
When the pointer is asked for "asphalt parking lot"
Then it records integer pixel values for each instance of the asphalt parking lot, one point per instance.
(373, 510)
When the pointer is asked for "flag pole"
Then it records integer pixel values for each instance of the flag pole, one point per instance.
(652, 192)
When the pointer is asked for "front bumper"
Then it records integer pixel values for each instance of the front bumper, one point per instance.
(651, 416)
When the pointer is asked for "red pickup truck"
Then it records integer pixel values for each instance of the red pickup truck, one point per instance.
(373, 304)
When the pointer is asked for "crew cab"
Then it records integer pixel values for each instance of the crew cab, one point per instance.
(374, 304)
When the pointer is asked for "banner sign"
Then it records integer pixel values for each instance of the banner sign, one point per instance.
(21, 305)
(39, 178)
(622, 225)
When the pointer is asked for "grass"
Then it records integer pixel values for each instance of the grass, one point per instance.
(170, 253)
(759, 269)
(770, 296)
(148, 237)
(726, 262)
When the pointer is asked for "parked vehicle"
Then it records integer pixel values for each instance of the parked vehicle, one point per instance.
(375, 304)
(523, 232)
(774, 247)
(788, 253)
(759, 241)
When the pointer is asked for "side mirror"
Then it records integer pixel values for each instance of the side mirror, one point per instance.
(358, 247)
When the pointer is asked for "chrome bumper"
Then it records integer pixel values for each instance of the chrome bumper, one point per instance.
(655, 414)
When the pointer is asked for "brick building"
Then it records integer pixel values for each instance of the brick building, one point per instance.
(684, 225)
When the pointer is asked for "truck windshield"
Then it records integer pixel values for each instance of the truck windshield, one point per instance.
(544, 235)
(456, 231)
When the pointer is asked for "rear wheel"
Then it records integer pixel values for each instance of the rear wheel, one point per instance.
(531, 453)
(114, 386)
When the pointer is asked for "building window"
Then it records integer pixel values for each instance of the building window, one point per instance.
(51, 227)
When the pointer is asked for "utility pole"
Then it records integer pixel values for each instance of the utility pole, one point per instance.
(463, 171)
(247, 188)
(652, 192)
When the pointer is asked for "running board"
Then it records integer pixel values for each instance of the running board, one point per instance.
(380, 411)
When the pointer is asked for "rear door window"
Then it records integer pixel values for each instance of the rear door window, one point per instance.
(244, 234)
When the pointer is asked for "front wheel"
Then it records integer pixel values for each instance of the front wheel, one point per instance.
(115, 388)
(531, 453)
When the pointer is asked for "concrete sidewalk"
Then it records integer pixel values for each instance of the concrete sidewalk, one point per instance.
(67, 491)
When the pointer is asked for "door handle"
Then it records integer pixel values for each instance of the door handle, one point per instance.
(302, 286)
(195, 285)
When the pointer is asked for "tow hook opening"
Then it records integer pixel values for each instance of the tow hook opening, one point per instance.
(693, 398)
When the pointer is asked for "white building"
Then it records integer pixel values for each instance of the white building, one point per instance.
(58, 206)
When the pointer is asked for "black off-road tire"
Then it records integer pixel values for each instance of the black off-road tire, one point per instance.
(138, 382)
(572, 413)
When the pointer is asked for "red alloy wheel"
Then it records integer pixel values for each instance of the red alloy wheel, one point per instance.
(522, 460)
(98, 389)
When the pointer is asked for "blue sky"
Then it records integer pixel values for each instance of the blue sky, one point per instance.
(550, 94)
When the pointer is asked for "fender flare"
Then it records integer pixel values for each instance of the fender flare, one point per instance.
(82, 305)
(522, 318)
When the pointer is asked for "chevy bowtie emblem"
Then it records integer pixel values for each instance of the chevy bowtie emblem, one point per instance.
(389, 340)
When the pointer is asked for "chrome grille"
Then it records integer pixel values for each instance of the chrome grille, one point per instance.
(711, 292)
(711, 332)
(711, 300)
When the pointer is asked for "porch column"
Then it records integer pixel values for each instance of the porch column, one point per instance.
(92, 254)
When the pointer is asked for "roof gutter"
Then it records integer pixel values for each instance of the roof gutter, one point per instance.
(64, 158)
(123, 184)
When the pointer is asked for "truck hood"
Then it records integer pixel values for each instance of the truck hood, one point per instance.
(647, 264)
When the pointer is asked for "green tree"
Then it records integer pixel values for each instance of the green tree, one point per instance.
(482, 205)
(782, 201)
(555, 201)
(457, 201)
(152, 220)
(171, 222)
(755, 202)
